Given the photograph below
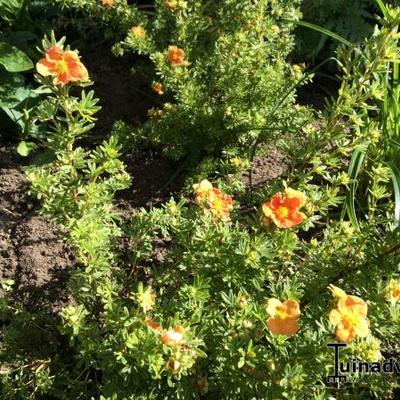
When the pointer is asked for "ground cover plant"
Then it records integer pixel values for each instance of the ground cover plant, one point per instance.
(232, 286)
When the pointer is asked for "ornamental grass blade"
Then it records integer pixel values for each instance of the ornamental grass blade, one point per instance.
(382, 7)
(327, 32)
(395, 176)
(355, 166)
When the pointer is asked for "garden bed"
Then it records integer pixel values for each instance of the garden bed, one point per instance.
(198, 200)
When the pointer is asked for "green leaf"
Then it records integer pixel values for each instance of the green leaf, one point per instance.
(13, 89)
(13, 59)
(24, 148)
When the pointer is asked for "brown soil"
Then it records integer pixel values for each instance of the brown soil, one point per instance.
(266, 168)
(124, 92)
(152, 181)
(31, 251)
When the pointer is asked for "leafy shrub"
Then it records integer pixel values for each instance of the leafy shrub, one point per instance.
(223, 69)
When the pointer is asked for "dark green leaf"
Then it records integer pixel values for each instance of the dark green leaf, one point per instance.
(13, 59)
(13, 89)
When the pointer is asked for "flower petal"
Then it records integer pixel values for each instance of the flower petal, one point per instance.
(290, 193)
(271, 306)
(292, 308)
(276, 200)
(353, 303)
(43, 67)
(62, 77)
(293, 203)
(296, 218)
(362, 327)
(335, 317)
(287, 327)
(55, 53)
(345, 333)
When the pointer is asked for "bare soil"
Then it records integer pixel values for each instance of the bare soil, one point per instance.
(31, 251)
(123, 89)
(266, 168)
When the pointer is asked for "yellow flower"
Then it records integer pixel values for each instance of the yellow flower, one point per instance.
(283, 208)
(349, 317)
(238, 163)
(63, 66)
(171, 3)
(108, 3)
(220, 204)
(393, 291)
(138, 31)
(202, 190)
(146, 299)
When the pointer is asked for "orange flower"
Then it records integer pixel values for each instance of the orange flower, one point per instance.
(158, 88)
(107, 3)
(283, 320)
(349, 317)
(176, 56)
(220, 204)
(174, 336)
(151, 324)
(283, 208)
(63, 65)
(393, 291)
(138, 31)
(202, 190)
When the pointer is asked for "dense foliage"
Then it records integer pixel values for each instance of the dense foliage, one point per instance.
(228, 290)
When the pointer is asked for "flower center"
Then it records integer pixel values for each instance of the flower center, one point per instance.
(62, 66)
(352, 319)
(283, 212)
(281, 312)
(218, 204)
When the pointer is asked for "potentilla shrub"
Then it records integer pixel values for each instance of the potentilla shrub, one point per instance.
(110, 18)
(210, 307)
(221, 72)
